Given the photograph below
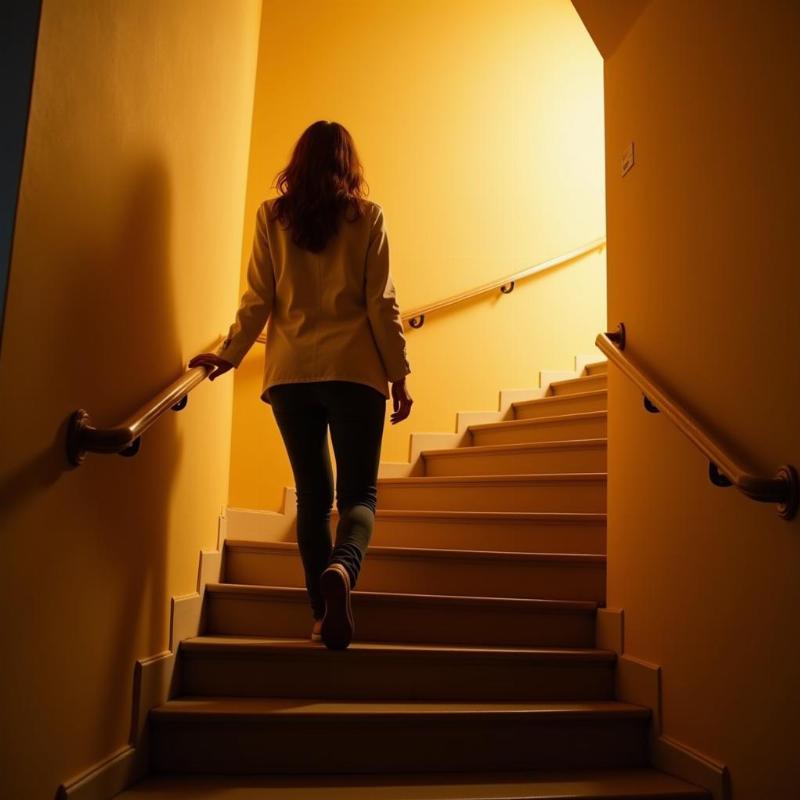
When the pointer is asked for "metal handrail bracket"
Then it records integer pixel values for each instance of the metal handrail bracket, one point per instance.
(782, 489)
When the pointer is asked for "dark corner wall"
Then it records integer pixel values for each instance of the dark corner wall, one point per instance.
(19, 28)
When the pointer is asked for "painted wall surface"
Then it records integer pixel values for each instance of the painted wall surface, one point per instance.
(131, 207)
(703, 245)
(481, 130)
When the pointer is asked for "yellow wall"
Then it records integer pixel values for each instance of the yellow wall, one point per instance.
(481, 130)
(129, 219)
(703, 248)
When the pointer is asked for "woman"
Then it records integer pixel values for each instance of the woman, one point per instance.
(319, 272)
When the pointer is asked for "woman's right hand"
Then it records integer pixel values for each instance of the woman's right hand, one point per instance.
(401, 401)
(218, 365)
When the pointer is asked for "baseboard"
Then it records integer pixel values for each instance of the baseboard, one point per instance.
(639, 682)
(677, 759)
(119, 771)
(154, 682)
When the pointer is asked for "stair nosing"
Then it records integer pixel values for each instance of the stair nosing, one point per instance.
(393, 551)
(578, 378)
(565, 517)
(594, 443)
(258, 708)
(517, 478)
(533, 421)
(551, 398)
(262, 645)
(256, 592)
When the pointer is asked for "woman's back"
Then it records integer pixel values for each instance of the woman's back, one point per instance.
(333, 314)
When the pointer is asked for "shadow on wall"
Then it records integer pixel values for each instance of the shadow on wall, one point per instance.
(94, 538)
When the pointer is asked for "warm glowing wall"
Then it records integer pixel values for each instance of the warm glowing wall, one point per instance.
(703, 248)
(131, 206)
(481, 129)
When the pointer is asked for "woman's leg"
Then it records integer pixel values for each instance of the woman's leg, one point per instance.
(303, 421)
(356, 414)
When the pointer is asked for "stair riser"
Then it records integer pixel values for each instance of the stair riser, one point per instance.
(519, 537)
(591, 383)
(492, 577)
(597, 369)
(567, 460)
(507, 742)
(404, 622)
(563, 404)
(558, 431)
(584, 496)
(364, 676)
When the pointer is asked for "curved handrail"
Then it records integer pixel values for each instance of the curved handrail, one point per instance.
(416, 316)
(125, 438)
(724, 470)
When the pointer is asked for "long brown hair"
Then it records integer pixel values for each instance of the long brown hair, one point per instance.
(323, 180)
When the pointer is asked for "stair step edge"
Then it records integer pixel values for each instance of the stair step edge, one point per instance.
(306, 708)
(233, 645)
(532, 422)
(517, 478)
(387, 551)
(512, 447)
(257, 592)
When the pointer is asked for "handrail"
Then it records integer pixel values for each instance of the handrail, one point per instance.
(724, 470)
(416, 316)
(125, 438)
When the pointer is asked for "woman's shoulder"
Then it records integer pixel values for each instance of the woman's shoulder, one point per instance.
(373, 210)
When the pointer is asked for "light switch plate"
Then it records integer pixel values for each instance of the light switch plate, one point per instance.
(628, 159)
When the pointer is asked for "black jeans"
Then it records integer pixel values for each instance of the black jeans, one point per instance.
(355, 413)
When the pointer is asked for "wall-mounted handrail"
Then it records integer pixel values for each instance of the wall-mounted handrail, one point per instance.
(416, 316)
(125, 438)
(724, 470)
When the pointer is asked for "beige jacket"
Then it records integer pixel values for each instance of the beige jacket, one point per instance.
(331, 315)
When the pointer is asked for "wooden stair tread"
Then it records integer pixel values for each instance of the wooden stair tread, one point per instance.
(588, 784)
(521, 479)
(298, 594)
(384, 551)
(588, 380)
(603, 362)
(492, 516)
(555, 400)
(268, 644)
(478, 449)
(229, 708)
(534, 421)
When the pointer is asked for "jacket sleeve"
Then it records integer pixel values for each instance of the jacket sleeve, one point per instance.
(256, 304)
(382, 308)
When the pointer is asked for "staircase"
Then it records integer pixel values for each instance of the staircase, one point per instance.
(473, 672)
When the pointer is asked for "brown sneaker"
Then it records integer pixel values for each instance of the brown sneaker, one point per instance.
(337, 624)
(316, 631)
